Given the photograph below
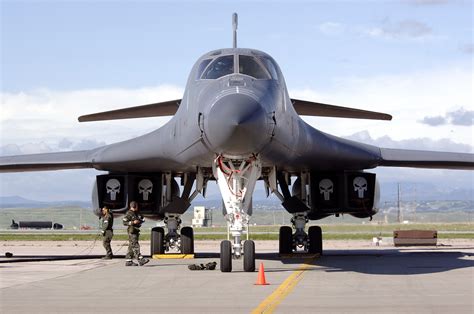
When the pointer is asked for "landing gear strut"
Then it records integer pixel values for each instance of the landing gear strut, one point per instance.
(173, 205)
(236, 178)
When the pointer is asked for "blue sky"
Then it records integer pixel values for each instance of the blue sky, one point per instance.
(62, 59)
(89, 44)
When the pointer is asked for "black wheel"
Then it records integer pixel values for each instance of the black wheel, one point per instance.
(315, 236)
(286, 240)
(226, 256)
(157, 244)
(187, 240)
(249, 256)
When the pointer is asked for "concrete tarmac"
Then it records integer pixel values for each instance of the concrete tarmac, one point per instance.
(351, 277)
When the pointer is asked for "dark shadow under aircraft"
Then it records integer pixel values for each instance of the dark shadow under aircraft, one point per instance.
(236, 124)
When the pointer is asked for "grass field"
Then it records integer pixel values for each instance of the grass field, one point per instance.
(456, 225)
(331, 232)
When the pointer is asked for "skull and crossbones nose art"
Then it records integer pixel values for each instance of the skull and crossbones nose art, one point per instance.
(326, 187)
(113, 188)
(145, 188)
(360, 186)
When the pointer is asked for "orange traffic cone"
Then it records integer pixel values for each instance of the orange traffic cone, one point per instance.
(261, 276)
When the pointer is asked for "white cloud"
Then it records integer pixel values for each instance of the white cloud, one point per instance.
(408, 97)
(51, 116)
(460, 116)
(421, 143)
(332, 28)
(427, 2)
(467, 48)
(406, 30)
(45, 120)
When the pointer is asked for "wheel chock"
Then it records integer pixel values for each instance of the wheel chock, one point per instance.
(173, 256)
(300, 255)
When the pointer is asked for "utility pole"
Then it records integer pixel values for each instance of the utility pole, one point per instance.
(416, 204)
(398, 204)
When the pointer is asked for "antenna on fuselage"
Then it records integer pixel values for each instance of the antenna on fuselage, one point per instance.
(235, 22)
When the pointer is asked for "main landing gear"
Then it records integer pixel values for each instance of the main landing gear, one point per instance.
(236, 178)
(311, 242)
(177, 239)
(182, 242)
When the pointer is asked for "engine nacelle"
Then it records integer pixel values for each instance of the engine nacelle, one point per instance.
(116, 191)
(354, 193)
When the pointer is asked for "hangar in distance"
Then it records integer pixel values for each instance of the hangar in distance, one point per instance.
(236, 124)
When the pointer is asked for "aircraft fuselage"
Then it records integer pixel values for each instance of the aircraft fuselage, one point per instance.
(236, 115)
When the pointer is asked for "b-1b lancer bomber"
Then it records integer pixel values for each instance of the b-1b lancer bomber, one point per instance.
(236, 124)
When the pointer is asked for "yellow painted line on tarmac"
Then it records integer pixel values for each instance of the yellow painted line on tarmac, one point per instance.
(273, 300)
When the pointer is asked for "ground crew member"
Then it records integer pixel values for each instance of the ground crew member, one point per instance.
(106, 227)
(133, 220)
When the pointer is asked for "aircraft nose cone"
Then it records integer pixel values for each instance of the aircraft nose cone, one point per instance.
(237, 124)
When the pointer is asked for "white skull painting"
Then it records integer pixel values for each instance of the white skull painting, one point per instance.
(145, 187)
(326, 187)
(360, 186)
(113, 188)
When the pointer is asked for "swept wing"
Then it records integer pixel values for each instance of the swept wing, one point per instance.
(425, 159)
(167, 108)
(308, 108)
(47, 161)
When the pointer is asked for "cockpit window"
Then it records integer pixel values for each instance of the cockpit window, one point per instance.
(219, 67)
(202, 67)
(270, 67)
(249, 66)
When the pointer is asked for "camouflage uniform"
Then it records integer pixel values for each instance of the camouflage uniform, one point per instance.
(133, 231)
(106, 226)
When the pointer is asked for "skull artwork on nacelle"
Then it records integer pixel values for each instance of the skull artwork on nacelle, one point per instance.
(113, 188)
(360, 186)
(145, 187)
(326, 187)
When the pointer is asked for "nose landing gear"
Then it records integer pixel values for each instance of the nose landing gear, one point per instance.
(236, 178)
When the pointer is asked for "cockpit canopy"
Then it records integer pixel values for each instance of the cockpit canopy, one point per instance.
(257, 67)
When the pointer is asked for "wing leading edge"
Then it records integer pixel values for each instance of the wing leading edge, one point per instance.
(167, 108)
(308, 108)
(47, 161)
(425, 159)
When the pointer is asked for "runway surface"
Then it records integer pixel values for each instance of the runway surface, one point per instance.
(351, 277)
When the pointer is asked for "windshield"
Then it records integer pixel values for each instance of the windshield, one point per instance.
(219, 67)
(250, 66)
(202, 67)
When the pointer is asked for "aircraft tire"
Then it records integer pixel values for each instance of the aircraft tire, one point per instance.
(285, 240)
(157, 244)
(187, 240)
(315, 236)
(249, 256)
(226, 256)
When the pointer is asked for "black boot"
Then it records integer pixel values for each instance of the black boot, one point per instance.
(142, 261)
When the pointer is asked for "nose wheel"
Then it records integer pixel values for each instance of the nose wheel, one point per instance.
(248, 256)
(226, 256)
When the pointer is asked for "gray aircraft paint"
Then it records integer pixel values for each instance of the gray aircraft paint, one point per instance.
(235, 115)
(237, 124)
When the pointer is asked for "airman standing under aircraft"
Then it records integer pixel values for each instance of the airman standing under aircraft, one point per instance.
(106, 226)
(133, 220)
